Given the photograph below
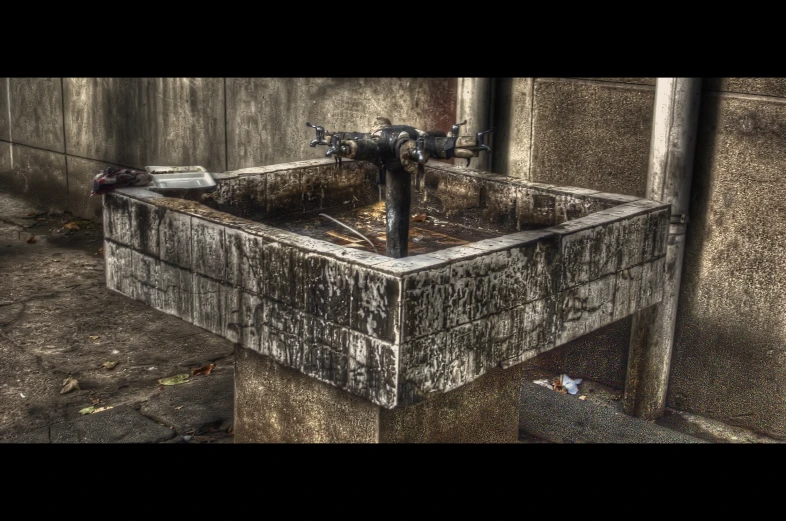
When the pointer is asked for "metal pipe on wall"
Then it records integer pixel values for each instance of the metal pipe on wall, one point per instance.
(475, 103)
(672, 148)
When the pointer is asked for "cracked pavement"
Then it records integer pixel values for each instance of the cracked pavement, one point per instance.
(57, 320)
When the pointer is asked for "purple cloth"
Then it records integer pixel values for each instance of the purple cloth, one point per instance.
(113, 177)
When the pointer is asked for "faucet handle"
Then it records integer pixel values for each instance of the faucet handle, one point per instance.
(320, 140)
(479, 137)
(335, 148)
(454, 130)
(420, 151)
(335, 145)
(420, 156)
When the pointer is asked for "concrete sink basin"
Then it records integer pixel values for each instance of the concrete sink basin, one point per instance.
(499, 270)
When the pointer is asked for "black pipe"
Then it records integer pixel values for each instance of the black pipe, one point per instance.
(397, 203)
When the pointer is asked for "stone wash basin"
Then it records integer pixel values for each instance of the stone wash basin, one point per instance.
(499, 270)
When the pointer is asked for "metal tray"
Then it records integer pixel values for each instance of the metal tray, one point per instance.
(180, 177)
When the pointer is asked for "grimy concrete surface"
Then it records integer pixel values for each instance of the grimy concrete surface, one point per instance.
(4, 121)
(593, 135)
(36, 112)
(57, 320)
(762, 86)
(140, 122)
(730, 352)
(38, 174)
(278, 404)
(266, 117)
(5, 159)
(513, 125)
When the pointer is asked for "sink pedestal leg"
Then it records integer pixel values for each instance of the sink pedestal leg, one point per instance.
(276, 404)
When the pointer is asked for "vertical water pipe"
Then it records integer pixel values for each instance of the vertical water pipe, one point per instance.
(474, 103)
(669, 175)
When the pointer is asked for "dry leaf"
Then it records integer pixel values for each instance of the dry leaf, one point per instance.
(93, 409)
(205, 370)
(93, 337)
(175, 380)
(69, 384)
(582, 397)
(31, 240)
(178, 407)
(109, 365)
(101, 251)
(343, 237)
(41, 219)
(85, 225)
(419, 217)
(71, 226)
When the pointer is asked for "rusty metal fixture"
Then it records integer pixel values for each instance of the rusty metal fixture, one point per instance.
(399, 152)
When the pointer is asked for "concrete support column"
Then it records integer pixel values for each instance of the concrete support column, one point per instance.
(277, 404)
(474, 103)
(672, 147)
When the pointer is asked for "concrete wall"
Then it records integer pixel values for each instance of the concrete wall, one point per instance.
(730, 352)
(267, 117)
(56, 134)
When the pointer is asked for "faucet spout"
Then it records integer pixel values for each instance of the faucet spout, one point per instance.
(399, 152)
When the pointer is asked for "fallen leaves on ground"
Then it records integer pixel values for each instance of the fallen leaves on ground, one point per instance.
(175, 380)
(85, 225)
(31, 240)
(109, 365)
(204, 370)
(419, 217)
(93, 337)
(69, 384)
(93, 409)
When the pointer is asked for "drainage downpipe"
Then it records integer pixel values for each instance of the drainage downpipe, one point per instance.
(672, 148)
(475, 102)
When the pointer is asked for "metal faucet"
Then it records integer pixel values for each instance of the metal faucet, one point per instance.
(399, 152)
